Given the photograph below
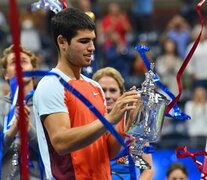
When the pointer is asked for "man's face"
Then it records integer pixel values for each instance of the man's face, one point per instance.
(11, 66)
(80, 51)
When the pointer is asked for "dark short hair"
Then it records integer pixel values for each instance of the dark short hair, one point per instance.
(175, 166)
(68, 22)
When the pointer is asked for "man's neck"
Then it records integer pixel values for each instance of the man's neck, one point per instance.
(70, 71)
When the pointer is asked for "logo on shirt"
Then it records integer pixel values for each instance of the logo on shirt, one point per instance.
(95, 94)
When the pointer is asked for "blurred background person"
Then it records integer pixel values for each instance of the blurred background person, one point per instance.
(10, 167)
(119, 56)
(112, 84)
(197, 66)
(34, 29)
(142, 12)
(29, 32)
(178, 30)
(196, 108)
(115, 21)
(177, 171)
(112, 38)
(4, 31)
(168, 64)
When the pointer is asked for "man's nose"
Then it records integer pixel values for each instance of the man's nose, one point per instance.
(91, 46)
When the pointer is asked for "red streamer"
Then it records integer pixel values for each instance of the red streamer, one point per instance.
(187, 59)
(22, 122)
(64, 3)
(205, 164)
(182, 152)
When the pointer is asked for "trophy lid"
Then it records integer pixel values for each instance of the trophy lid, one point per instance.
(148, 84)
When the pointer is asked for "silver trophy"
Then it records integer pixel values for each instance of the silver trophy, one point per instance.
(15, 161)
(145, 124)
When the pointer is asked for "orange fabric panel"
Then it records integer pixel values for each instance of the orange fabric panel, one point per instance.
(91, 162)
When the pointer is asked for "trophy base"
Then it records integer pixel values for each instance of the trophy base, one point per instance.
(138, 161)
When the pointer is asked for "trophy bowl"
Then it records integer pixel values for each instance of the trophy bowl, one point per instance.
(149, 119)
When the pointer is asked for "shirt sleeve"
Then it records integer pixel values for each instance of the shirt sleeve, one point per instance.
(49, 97)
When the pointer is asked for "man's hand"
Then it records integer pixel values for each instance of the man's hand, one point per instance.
(127, 102)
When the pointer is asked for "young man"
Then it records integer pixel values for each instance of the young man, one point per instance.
(74, 144)
(10, 165)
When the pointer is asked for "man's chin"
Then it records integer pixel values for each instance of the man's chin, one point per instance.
(88, 64)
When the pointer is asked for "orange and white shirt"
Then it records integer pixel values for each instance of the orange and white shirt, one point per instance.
(88, 163)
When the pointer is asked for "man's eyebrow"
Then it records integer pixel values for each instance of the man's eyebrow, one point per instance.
(86, 38)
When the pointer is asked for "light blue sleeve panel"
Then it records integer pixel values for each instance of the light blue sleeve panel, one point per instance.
(49, 96)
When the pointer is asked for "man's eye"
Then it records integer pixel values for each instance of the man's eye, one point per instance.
(84, 41)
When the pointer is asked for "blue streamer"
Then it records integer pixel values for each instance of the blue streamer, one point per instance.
(13, 87)
(28, 96)
(177, 114)
(149, 149)
(92, 108)
(8, 119)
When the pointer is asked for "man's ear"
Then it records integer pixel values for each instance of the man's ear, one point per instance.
(62, 42)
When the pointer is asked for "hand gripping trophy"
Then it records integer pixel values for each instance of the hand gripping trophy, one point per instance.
(145, 123)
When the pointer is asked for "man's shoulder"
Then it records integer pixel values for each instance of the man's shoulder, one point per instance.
(48, 82)
(91, 81)
(48, 87)
(52, 79)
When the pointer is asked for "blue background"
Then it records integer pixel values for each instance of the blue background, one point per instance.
(163, 158)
